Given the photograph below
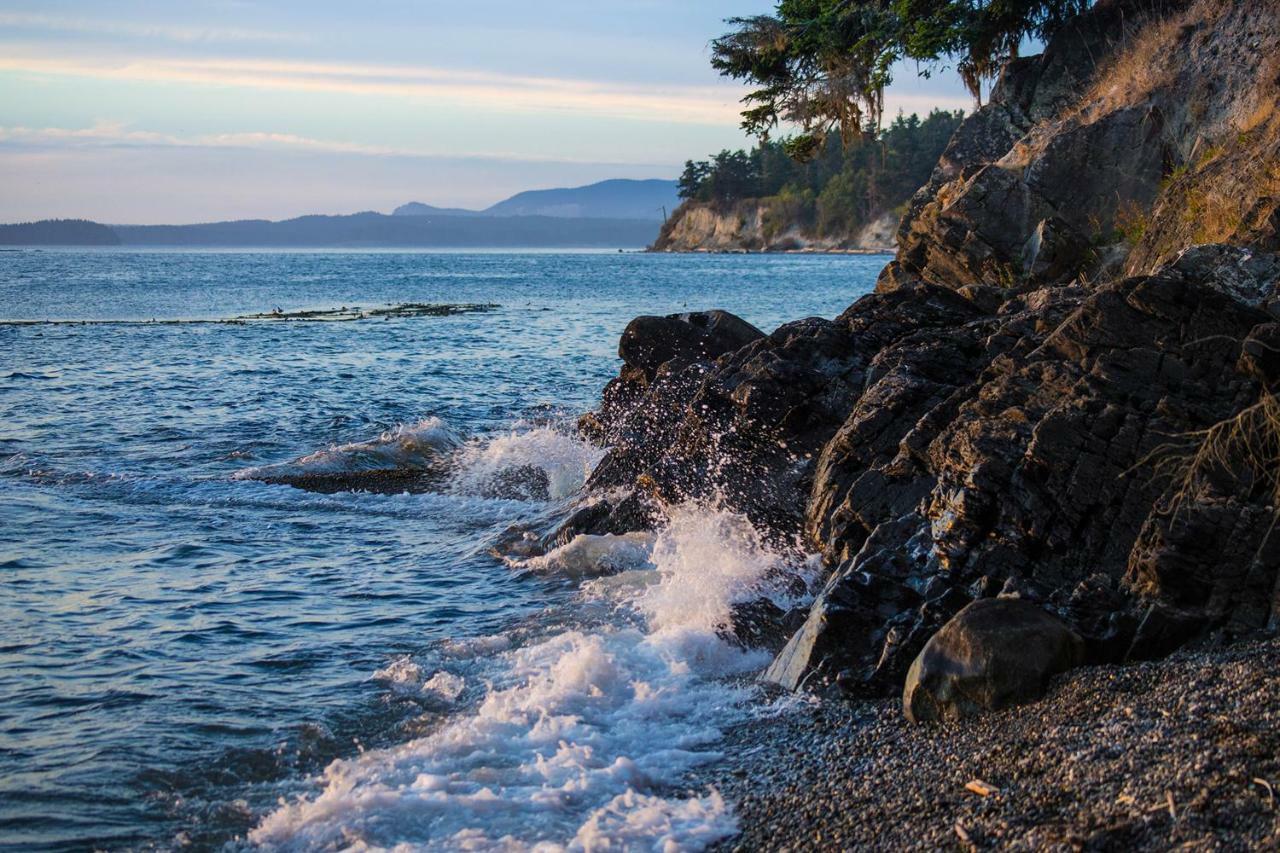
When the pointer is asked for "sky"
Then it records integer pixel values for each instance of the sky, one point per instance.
(139, 111)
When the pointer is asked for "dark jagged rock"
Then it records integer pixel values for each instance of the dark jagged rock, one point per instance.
(938, 453)
(748, 428)
(381, 481)
(669, 352)
(994, 653)
(1061, 390)
(517, 542)
(610, 515)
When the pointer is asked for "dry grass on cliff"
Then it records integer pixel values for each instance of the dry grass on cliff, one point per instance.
(1139, 64)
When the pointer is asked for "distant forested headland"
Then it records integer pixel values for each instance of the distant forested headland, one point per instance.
(58, 232)
(767, 198)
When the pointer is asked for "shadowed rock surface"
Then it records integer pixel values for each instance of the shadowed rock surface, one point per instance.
(935, 454)
(1141, 130)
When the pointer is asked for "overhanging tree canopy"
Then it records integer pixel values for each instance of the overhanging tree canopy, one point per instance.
(823, 65)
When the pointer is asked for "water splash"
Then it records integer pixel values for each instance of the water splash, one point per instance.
(582, 736)
(564, 458)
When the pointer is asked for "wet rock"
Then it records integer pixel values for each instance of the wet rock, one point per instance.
(1005, 414)
(650, 342)
(937, 452)
(853, 606)
(517, 542)
(762, 624)
(616, 515)
(379, 481)
(749, 427)
(994, 653)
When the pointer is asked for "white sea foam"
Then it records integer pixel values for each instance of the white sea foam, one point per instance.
(473, 647)
(401, 672)
(581, 735)
(407, 678)
(406, 446)
(566, 459)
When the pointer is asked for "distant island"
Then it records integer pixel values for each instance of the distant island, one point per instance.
(622, 214)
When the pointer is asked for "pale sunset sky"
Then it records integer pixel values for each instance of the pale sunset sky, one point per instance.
(128, 111)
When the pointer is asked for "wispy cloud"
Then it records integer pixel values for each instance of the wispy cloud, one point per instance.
(484, 90)
(101, 27)
(118, 134)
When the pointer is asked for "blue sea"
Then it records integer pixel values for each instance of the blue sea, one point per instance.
(192, 658)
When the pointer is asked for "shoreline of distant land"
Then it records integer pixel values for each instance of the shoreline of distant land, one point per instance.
(607, 215)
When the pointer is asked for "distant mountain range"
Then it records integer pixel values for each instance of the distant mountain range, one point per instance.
(371, 230)
(611, 214)
(615, 199)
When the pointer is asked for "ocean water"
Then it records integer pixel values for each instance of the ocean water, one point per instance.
(192, 658)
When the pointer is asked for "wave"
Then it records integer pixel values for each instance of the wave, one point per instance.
(581, 738)
(588, 555)
(416, 447)
(551, 463)
(408, 678)
(538, 463)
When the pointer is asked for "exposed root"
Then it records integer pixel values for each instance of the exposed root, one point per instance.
(1242, 450)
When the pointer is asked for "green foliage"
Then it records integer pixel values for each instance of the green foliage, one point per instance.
(823, 65)
(837, 189)
(791, 207)
(1131, 223)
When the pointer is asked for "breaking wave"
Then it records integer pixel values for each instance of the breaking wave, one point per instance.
(415, 446)
(565, 461)
(581, 738)
(539, 463)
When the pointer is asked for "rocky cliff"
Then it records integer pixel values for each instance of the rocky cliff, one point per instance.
(1063, 389)
(1145, 129)
(759, 226)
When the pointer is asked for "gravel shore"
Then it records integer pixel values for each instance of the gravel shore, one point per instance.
(1182, 753)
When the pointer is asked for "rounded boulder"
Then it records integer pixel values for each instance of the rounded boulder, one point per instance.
(994, 653)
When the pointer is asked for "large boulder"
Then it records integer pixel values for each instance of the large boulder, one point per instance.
(994, 653)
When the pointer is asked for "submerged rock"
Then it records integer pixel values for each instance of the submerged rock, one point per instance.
(993, 653)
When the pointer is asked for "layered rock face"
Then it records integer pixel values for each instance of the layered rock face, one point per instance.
(1105, 446)
(752, 226)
